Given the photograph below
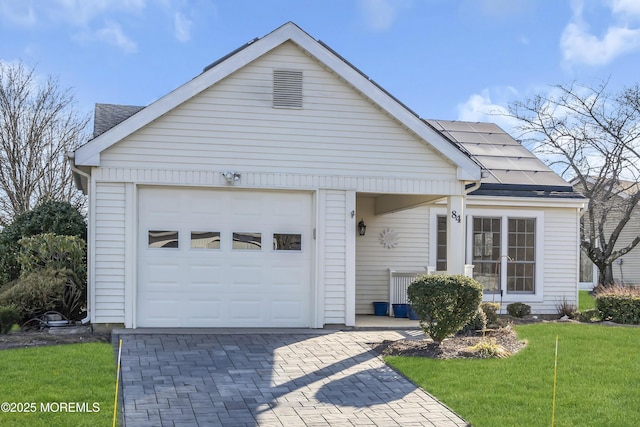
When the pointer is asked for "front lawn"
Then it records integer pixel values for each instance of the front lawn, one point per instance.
(586, 301)
(62, 385)
(597, 382)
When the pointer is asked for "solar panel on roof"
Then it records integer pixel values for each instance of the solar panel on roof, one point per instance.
(508, 161)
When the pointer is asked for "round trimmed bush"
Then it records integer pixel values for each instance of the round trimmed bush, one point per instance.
(448, 302)
(519, 309)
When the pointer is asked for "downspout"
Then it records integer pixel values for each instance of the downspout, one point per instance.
(72, 163)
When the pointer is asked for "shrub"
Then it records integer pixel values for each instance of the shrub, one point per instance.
(490, 311)
(53, 251)
(589, 315)
(518, 309)
(49, 217)
(486, 349)
(477, 323)
(619, 304)
(565, 308)
(448, 301)
(45, 290)
(9, 316)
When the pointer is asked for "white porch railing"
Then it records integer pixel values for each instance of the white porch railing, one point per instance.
(399, 281)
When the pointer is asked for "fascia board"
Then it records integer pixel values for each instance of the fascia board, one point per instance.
(542, 202)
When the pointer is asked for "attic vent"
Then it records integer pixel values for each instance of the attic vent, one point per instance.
(287, 89)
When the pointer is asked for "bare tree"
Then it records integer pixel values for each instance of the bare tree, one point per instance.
(38, 125)
(592, 138)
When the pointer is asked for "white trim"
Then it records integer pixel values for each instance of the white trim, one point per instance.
(433, 233)
(526, 202)
(350, 261)
(91, 250)
(419, 186)
(130, 255)
(314, 308)
(89, 154)
(320, 276)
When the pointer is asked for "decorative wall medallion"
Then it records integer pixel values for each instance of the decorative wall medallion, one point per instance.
(389, 238)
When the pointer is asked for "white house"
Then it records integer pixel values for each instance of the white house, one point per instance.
(234, 201)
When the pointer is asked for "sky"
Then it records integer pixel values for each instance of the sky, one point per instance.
(444, 59)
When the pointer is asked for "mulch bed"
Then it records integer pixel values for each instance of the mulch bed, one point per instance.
(24, 339)
(456, 347)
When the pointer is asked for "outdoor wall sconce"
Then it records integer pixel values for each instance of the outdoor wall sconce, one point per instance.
(362, 227)
(231, 177)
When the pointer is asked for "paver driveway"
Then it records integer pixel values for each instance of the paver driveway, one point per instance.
(270, 379)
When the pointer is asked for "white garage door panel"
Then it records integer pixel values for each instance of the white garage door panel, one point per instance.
(225, 287)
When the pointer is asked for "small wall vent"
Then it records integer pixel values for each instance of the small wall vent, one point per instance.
(287, 89)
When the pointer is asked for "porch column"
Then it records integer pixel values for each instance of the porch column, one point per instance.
(455, 235)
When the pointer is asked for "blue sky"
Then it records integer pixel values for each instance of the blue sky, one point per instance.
(445, 59)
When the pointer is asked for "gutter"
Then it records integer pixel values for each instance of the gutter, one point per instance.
(473, 187)
(77, 173)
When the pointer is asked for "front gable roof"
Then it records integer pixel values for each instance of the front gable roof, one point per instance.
(89, 154)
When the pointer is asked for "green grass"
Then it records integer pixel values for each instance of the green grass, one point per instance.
(585, 301)
(62, 373)
(597, 379)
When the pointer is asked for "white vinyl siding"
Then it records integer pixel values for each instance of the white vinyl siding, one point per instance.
(109, 264)
(335, 255)
(373, 260)
(336, 133)
(561, 259)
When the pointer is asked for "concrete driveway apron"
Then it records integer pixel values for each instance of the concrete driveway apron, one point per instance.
(302, 378)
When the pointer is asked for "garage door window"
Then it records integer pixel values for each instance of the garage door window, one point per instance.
(287, 242)
(205, 240)
(163, 239)
(249, 241)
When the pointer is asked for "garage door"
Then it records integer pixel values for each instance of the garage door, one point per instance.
(224, 258)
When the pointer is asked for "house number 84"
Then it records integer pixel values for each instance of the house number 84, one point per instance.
(455, 216)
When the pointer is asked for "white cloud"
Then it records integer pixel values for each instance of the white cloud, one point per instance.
(82, 12)
(480, 107)
(17, 13)
(112, 34)
(78, 13)
(182, 27)
(626, 7)
(579, 46)
(381, 14)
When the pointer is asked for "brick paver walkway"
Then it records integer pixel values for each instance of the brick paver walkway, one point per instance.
(306, 379)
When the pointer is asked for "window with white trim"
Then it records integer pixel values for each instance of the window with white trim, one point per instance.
(441, 243)
(486, 252)
(521, 261)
